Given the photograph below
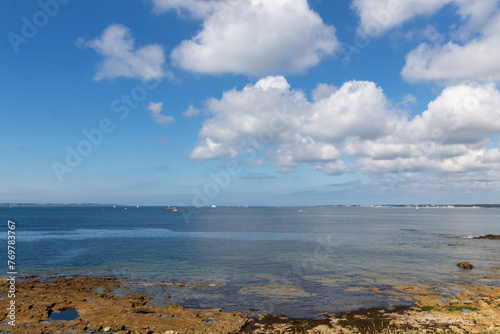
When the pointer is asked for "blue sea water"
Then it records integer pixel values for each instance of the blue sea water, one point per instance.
(278, 260)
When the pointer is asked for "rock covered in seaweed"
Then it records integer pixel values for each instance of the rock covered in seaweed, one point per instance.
(489, 237)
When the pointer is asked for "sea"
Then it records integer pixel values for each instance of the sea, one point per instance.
(297, 261)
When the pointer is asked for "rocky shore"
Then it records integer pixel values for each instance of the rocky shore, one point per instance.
(103, 305)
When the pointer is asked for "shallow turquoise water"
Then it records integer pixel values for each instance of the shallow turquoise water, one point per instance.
(272, 259)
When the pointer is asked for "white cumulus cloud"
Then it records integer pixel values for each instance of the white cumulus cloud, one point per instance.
(270, 113)
(158, 117)
(358, 108)
(253, 37)
(462, 114)
(453, 135)
(378, 16)
(354, 128)
(469, 54)
(123, 59)
(191, 112)
(475, 59)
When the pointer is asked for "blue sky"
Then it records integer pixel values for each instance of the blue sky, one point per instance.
(258, 102)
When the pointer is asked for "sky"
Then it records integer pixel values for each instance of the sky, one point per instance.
(250, 102)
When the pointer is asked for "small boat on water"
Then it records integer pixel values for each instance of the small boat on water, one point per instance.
(173, 208)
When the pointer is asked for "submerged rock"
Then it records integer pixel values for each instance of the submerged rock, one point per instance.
(465, 265)
(279, 291)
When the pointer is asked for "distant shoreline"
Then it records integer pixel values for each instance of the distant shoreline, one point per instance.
(420, 206)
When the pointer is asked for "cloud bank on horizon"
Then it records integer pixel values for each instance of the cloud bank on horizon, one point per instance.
(452, 135)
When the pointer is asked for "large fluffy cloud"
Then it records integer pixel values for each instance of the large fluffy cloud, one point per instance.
(358, 108)
(476, 59)
(354, 128)
(469, 54)
(253, 37)
(452, 135)
(462, 114)
(270, 113)
(123, 59)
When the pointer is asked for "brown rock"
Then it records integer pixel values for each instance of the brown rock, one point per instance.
(489, 237)
(465, 265)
